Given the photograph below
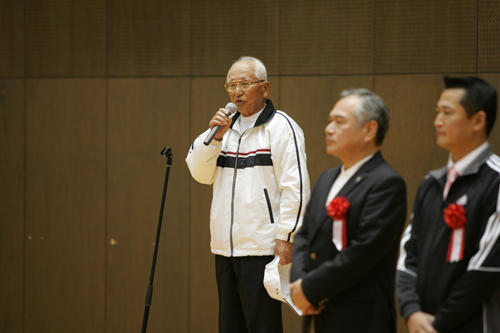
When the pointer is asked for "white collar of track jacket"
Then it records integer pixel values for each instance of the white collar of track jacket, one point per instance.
(462, 164)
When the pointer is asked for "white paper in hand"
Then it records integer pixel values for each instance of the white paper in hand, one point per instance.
(277, 282)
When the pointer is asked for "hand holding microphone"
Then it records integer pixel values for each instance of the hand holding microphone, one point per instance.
(221, 120)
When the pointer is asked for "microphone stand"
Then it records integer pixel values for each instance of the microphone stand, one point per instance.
(167, 153)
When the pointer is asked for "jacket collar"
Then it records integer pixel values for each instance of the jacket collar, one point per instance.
(471, 169)
(265, 116)
(361, 174)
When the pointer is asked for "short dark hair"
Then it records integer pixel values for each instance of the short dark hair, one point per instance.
(479, 96)
(371, 107)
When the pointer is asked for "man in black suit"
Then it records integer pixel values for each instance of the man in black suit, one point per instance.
(345, 254)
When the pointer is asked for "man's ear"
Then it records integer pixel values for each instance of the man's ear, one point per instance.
(479, 121)
(371, 129)
(266, 87)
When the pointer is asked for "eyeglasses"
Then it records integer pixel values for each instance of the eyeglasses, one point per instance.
(244, 84)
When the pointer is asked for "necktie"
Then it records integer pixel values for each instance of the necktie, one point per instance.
(452, 176)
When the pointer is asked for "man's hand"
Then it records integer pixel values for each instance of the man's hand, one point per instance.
(284, 250)
(223, 121)
(421, 322)
(300, 300)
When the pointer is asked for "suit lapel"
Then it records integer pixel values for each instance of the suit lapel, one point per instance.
(360, 175)
(358, 178)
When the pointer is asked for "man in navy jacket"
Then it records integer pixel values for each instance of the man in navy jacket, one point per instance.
(344, 258)
(449, 267)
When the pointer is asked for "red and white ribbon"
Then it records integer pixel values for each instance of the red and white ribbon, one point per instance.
(456, 246)
(455, 218)
(339, 237)
(336, 210)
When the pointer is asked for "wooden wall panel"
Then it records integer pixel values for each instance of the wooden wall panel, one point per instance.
(65, 38)
(11, 38)
(275, 90)
(326, 37)
(309, 100)
(12, 150)
(410, 145)
(489, 36)
(494, 139)
(148, 37)
(223, 31)
(146, 115)
(425, 36)
(65, 205)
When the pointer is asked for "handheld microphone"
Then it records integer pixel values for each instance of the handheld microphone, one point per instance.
(230, 108)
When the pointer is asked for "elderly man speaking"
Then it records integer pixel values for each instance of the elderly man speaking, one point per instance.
(257, 165)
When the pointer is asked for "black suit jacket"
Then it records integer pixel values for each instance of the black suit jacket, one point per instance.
(357, 283)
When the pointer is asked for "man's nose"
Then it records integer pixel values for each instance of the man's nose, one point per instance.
(238, 90)
(329, 129)
(438, 121)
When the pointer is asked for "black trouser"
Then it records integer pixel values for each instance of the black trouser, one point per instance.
(244, 304)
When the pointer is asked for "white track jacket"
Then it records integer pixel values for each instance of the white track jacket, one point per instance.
(260, 183)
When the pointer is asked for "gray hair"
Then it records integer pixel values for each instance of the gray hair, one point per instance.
(371, 107)
(260, 69)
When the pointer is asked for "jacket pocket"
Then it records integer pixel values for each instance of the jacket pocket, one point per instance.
(269, 205)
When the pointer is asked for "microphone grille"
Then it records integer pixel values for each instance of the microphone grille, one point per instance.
(231, 107)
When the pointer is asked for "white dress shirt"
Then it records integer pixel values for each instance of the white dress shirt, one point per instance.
(343, 178)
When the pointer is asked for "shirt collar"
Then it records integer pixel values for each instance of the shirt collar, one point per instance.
(352, 170)
(467, 160)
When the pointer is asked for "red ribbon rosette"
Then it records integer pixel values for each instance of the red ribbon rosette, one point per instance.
(455, 219)
(336, 210)
(454, 216)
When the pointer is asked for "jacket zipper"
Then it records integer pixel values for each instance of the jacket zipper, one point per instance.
(232, 195)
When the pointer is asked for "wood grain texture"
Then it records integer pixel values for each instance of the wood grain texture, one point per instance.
(488, 37)
(223, 31)
(148, 38)
(146, 115)
(66, 38)
(418, 37)
(12, 195)
(326, 37)
(65, 205)
(410, 145)
(11, 38)
(494, 138)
